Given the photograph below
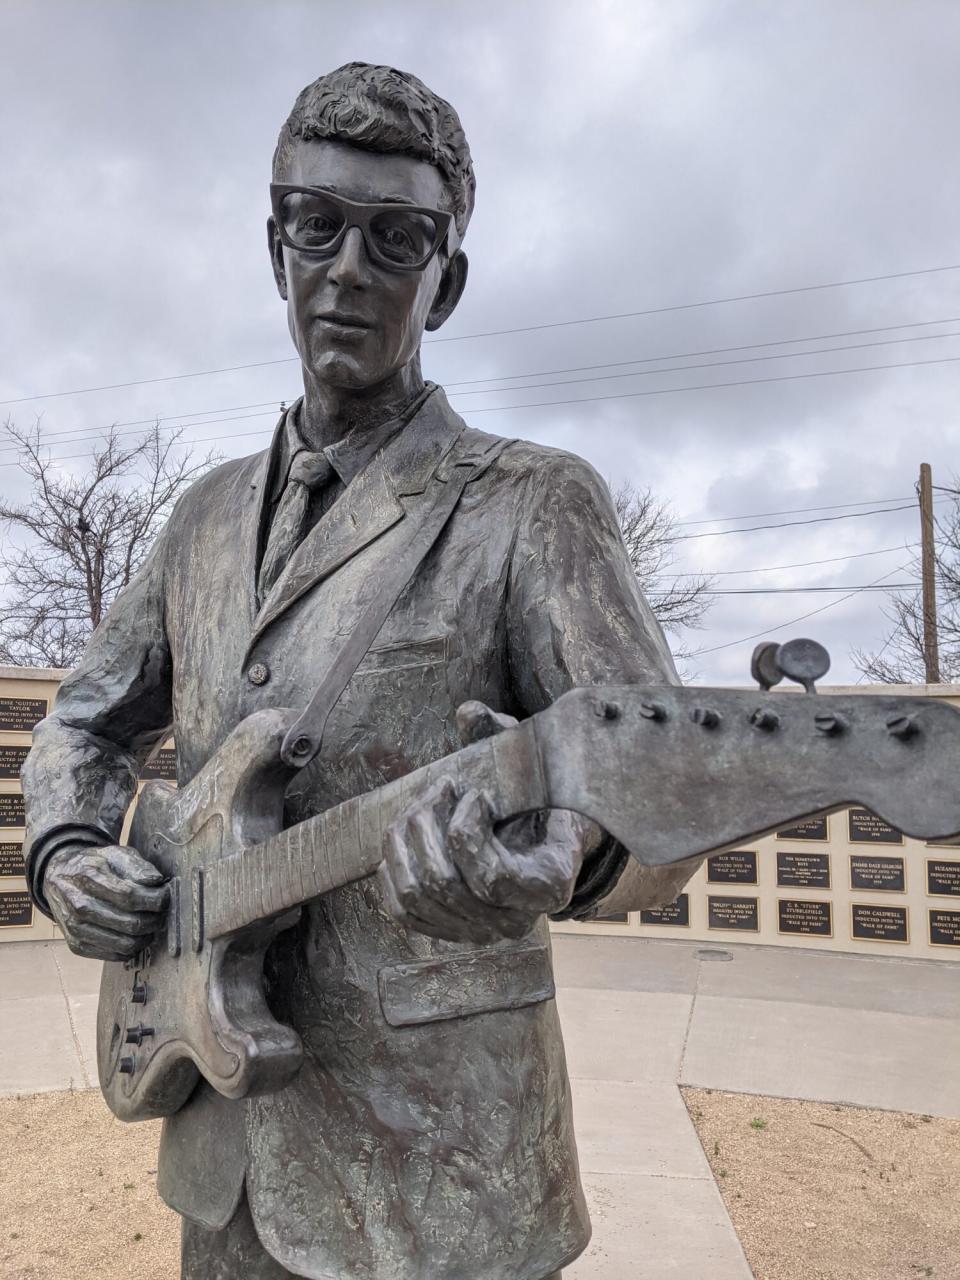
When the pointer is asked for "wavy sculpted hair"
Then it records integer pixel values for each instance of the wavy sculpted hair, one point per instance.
(382, 109)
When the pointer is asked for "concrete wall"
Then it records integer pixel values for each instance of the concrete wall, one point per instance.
(843, 883)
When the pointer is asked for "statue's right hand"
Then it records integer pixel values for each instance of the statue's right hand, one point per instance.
(109, 901)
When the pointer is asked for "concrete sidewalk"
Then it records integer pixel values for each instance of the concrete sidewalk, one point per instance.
(640, 1017)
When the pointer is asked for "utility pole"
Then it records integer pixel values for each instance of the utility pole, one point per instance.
(931, 646)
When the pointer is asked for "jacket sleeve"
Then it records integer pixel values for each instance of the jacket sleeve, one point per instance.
(576, 616)
(110, 713)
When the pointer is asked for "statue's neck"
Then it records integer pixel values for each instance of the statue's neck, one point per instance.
(330, 413)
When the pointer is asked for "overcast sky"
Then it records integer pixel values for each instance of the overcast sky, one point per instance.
(631, 155)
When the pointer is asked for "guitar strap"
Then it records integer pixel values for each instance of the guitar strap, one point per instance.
(305, 738)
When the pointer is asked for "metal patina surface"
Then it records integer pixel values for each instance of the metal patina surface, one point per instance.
(389, 1100)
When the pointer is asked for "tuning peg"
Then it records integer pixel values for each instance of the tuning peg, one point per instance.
(706, 717)
(764, 718)
(829, 723)
(653, 711)
(903, 727)
(804, 661)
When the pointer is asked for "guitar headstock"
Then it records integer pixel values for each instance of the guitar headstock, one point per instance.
(675, 772)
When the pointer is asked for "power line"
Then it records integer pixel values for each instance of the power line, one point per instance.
(77, 434)
(706, 302)
(789, 524)
(709, 364)
(794, 511)
(625, 395)
(718, 351)
(714, 386)
(493, 333)
(730, 644)
(787, 591)
(805, 564)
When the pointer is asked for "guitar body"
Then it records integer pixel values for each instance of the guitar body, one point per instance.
(186, 1006)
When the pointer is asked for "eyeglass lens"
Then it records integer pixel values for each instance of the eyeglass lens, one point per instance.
(315, 222)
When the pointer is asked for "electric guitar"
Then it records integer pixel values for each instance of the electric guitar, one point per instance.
(670, 772)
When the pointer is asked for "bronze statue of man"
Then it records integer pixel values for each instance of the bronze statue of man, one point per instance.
(430, 1138)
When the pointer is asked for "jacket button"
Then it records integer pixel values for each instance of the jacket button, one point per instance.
(259, 673)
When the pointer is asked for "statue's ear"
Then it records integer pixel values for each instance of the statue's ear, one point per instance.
(276, 257)
(452, 284)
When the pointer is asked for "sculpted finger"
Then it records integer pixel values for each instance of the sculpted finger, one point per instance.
(472, 845)
(101, 882)
(446, 899)
(126, 862)
(529, 883)
(475, 721)
(100, 944)
(85, 909)
(408, 897)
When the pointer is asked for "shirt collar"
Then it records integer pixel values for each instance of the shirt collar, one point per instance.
(349, 455)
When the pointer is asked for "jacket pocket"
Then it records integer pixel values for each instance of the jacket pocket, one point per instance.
(396, 657)
(457, 986)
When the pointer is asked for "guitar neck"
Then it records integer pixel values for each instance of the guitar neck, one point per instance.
(346, 842)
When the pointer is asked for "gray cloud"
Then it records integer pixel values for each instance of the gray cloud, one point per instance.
(629, 155)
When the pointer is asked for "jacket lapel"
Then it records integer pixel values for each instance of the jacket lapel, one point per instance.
(377, 498)
(248, 508)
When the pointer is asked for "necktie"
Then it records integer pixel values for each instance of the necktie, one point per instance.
(309, 472)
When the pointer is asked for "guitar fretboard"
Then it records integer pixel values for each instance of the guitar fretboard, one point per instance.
(346, 842)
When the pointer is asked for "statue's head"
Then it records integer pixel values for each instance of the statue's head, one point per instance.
(372, 191)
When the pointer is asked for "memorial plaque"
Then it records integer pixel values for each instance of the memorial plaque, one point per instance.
(163, 765)
(944, 928)
(800, 916)
(878, 873)
(802, 870)
(866, 828)
(11, 761)
(742, 914)
(11, 810)
(11, 859)
(943, 878)
(676, 914)
(615, 917)
(809, 829)
(21, 714)
(872, 923)
(738, 867)
(16, 910)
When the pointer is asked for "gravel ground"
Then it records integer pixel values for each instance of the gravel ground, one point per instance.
(78, 1196)
(815, 1192)
(818, 1192)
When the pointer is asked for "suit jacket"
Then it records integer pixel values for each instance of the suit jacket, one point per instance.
(429, 1131)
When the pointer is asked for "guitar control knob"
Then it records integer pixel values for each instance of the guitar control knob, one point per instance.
(127, 1066)
(136, 1035)
(139, 993)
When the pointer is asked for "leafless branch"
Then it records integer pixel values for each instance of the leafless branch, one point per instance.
(80, 537)
(649, 532)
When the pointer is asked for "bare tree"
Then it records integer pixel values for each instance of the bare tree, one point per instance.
(649, 531)
(80, 537)
(900, 659)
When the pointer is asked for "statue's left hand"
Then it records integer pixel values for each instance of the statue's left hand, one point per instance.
(449, 873)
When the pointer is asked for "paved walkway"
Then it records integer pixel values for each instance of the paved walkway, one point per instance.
(640, 1017)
